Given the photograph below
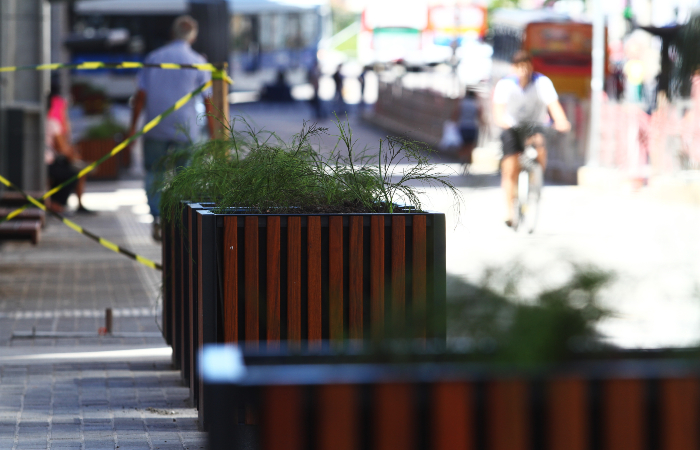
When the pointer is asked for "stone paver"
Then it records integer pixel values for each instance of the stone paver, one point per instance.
(98, 392)
(96, 405)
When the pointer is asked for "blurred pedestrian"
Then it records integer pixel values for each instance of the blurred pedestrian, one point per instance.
(279, 91)
(314, 77)
(362, 81)
(159, 89)
(468, 115)
(338, 80)
(62, 159)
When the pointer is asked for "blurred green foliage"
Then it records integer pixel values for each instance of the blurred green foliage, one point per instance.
(553, 326)
(107, 129)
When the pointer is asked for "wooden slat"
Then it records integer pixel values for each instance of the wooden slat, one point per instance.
(192, 306)
(314, 281)
(376, 281)
(508, 415)
(164, 252)
(394, 417)
(273, 281)
(624, 418)
(680, 414)
(419, 275)
(283, 418)
(294, 279)
(335, 277)
(199, 383)
(398, 272)
(182, 298)
(567, 411)
(355, 277)
(452, 416)
(338, 417)
(173, 287)
(251, 288)
(230, 279)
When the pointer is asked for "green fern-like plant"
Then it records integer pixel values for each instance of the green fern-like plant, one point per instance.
(257, 171)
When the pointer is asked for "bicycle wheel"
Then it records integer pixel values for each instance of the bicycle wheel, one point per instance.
(532, 201)
(520, 203)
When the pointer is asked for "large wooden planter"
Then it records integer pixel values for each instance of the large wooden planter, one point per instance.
(307, 278)
(298, 278)
(296, 405)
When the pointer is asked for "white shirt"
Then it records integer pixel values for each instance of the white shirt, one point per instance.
(528, 104)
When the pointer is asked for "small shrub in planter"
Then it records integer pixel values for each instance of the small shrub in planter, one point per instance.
(98, 141)
(303, 246)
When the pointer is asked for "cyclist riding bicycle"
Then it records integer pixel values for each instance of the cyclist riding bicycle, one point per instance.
(521, 103)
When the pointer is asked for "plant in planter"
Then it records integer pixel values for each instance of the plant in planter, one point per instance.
(302, 246)
(98, 141)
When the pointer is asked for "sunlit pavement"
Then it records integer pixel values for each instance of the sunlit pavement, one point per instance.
(651, 246)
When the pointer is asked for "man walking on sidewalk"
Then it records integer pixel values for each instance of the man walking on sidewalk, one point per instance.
(159, 89)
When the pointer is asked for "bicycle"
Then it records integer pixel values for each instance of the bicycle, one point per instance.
(530, 180)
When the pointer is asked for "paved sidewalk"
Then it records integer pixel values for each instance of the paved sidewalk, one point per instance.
(97, 392)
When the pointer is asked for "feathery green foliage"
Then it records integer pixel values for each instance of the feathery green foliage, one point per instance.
(260, 172)
(551, 327)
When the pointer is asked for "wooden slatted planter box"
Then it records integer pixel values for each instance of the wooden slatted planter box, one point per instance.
(301, 405)
(179, 292)
(308, 278)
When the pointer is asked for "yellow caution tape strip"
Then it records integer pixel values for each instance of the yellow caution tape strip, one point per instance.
(94, 65)
(121, 146)
(104, 242)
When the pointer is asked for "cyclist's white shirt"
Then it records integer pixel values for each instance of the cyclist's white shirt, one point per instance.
(528, 104)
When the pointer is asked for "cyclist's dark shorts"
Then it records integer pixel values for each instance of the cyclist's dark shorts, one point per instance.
(513, 139)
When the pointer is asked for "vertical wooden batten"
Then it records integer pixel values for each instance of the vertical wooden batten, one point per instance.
(335, 277)
(314, 278)
(294, 279)
(355, 292)
(273, 281)
(230, 279)
(376, 285)
(251, 289)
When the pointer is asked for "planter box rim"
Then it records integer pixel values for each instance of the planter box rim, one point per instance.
(363, 373)
(244, 213)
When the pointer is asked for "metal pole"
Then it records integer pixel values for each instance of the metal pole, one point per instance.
(598, 73)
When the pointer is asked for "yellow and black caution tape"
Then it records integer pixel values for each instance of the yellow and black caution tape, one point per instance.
(104, 242)
(121, 146)
(94, 65)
